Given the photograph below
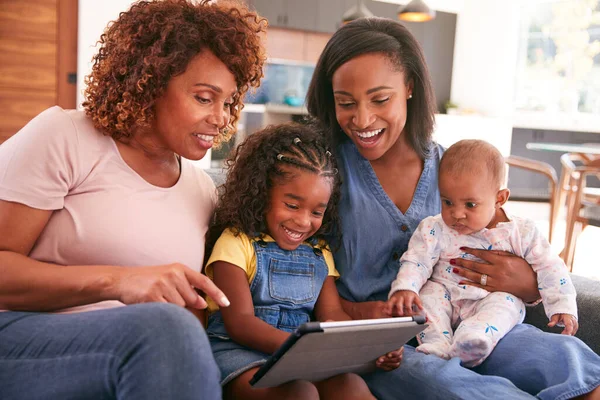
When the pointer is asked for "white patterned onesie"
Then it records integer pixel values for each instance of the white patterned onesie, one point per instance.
(480, 318)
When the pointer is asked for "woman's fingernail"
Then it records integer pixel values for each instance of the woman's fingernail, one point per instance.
(224, 302)
(453, 261)
(455, 270)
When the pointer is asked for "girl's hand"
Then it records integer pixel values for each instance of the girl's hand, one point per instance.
(505, 273)
(172, 283)
(568, 320)
(404, 302)
(391, 360)
(366, 309)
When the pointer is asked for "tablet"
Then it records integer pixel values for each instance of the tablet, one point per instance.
(320, 350)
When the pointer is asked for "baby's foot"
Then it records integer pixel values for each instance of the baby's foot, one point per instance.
(437, 349)
(473, 351)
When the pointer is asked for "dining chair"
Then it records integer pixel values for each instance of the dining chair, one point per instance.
(568, 161)
(583, 202)
(548, 171)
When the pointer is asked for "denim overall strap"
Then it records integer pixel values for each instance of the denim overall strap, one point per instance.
(285, 288)
(287, 284)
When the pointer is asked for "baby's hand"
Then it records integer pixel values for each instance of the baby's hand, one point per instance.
(402, 303)
(391, 360)
(568, 320)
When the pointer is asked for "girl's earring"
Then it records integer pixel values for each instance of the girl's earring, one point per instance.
(410, 96)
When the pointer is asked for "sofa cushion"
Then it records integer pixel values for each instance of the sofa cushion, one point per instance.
(588, 304)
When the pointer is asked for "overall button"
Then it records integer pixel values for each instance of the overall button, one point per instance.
(317, 251)
(404, 228)
(396, 256)
(262, 243)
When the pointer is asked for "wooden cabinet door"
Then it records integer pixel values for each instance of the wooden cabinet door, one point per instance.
(38, 51)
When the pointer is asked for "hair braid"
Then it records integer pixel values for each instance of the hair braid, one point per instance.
(265, 159)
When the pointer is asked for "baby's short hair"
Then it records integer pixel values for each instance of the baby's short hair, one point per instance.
(472, 156)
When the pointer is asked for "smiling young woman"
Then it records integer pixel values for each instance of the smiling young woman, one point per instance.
(372, 92)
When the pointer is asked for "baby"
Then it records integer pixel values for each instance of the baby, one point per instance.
(467, 321)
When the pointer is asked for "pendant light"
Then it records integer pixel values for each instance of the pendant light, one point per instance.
(356, 12)
(416, 11)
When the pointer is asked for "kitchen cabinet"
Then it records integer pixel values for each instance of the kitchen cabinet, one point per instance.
(273, 11)
(301, 14)
(292, 14)
(329, 15)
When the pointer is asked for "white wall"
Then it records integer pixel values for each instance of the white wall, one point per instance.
(485, 56)
(94, 16)
(484, 67)
(450, 129)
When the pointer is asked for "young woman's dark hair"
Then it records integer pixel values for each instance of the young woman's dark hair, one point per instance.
(265, 159)
(376, 35)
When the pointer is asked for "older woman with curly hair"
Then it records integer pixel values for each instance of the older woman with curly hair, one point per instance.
(103, 208)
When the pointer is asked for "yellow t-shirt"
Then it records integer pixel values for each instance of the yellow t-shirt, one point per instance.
(239, 251)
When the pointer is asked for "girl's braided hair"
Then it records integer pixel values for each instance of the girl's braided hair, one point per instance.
(262, 161)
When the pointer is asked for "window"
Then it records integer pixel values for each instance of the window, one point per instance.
(558, 68)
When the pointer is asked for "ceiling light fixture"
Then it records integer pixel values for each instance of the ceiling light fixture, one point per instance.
(356, 12)
(416, 11)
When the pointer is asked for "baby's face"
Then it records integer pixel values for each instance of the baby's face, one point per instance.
(469, 201)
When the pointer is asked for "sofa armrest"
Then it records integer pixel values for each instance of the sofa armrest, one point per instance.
(588, 304)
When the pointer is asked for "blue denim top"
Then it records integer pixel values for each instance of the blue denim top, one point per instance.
(285, 288)
(375, 233)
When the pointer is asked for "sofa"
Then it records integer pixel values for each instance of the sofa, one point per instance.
(588, 304)
(588, 299)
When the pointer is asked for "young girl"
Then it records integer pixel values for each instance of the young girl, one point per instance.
(269, 258)
(471, 178)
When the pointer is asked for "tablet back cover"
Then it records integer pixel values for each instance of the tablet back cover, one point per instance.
(322, 354)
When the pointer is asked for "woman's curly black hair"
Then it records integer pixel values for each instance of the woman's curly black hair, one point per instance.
(262, 161)
(153, 42)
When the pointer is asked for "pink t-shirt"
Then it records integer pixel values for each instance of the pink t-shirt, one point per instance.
(105, 213)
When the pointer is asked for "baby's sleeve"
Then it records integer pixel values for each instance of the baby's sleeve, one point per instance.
(554, 281)
(417, 262)
(39, 164)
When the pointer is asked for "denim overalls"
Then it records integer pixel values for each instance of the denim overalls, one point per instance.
(284, 292)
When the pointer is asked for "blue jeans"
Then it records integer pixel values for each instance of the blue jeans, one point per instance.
(526, 363)
(145, 351)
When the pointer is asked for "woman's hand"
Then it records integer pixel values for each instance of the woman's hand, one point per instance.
(568, 320)
(391, 360)
(366, 309)
(172, 283)
(504, 272)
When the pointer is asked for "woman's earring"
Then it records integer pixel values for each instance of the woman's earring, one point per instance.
(410, 96)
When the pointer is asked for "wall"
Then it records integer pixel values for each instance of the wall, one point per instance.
(485, 56)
